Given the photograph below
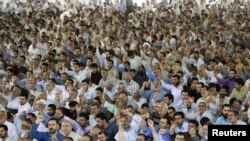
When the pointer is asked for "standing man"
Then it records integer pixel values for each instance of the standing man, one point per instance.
(4, 133)
(53, 126)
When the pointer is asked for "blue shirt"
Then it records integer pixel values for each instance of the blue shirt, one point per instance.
(43, 136)
(161, 137)
(222, 121)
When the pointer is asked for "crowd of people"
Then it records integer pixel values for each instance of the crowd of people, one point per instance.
(98, 72)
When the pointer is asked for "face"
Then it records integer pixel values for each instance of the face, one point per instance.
(23, 100)
(237, 86)
(59, 114)
(245, 116)
(99, 122)
(179, 138)
(163, 123)
(223, 92)
(140, 138)
(225, 111)
(178, 119)
(50, 111)
(175, 81)
(231, 74)
(94, 110)
(3, 133)
(53, 126)
(202, 107)
(198, 88)
(66, 127)
(232, 117)
(82, 121)
(102, 137)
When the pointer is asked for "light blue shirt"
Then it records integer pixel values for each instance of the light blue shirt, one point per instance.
(222, 121)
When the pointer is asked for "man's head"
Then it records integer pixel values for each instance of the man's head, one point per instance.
(95, 109)
(86, 138)
(176, 80)
(53, 125)
(231, 74)
(180, 137)
(101, 120)
(168, 98)
(103, 136)
(179, 118)
(225, 109)
(164, 122)
(3, 131)
(72, 107)
(83, 119)
(59, 113)
(238, 83)
(223, 91)
(23, 98)
(3, 116)
(66, 127)
(51, 109)
(141, 137)
(233, 116)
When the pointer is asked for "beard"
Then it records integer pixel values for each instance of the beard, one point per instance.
(52, 131)
(225, 116)
(2, 136)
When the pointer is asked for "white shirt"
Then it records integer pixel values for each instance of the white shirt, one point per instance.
(129, 134)
(57, 88)
(14, 103)
(176, 91)
(24, 108)
(12, 132)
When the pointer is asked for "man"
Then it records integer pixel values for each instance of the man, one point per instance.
(24, 105)
(229, 82)
(223, 119)
(103, 136)
(240, 91)
(83, 120)
(175, 88)
(53, 126)
(51, 111)
(61, 117)
(4, 133)
(233, 117)
(179, 124)
(162, 132)
(141, 137)
(86, 138)
(126, 131)
(180, 137)
(12, 132)
(102, 123)
(67, 130)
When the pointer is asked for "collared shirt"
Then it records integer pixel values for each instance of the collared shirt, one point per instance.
(132, 86)
(74, 136)
(24, 108)
(43, 136)
(183, 128)
(13, 103)
(57, 88)
(176, 91)
(12, 131)
(86, 130)
(239, 122)
(222, 121)
(75, 125)
(130, 134)
(240, 94)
